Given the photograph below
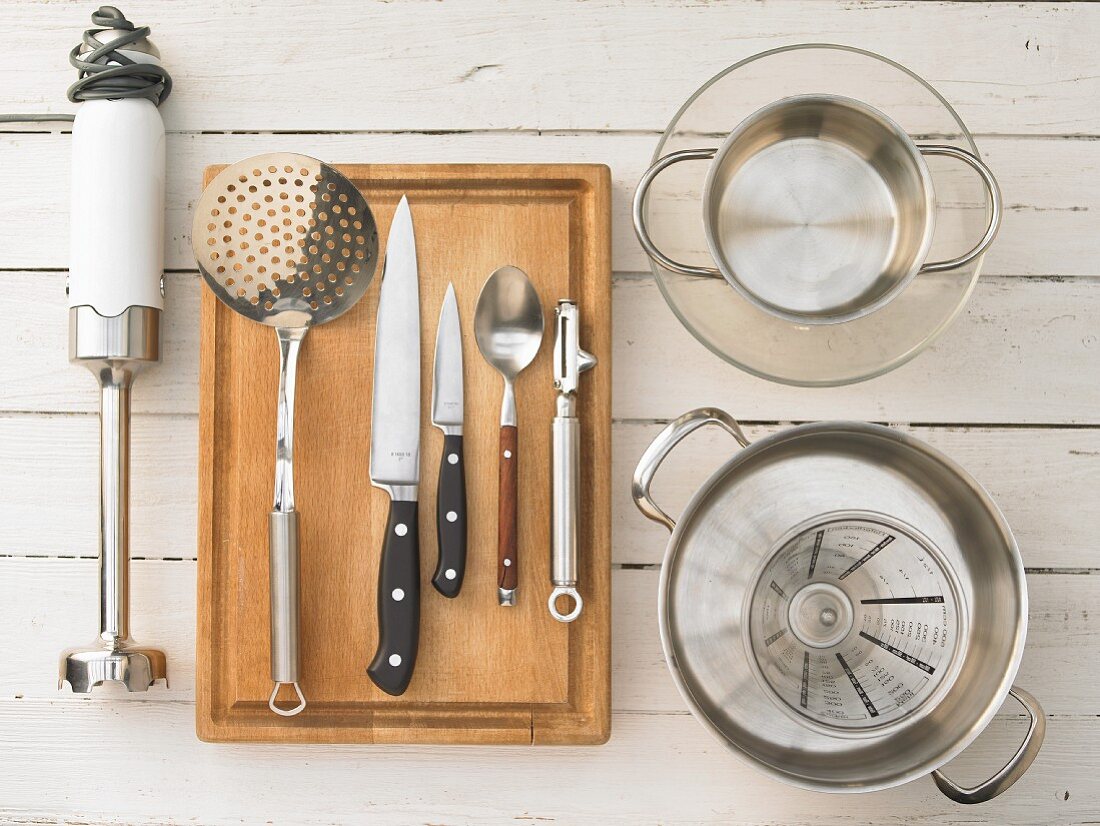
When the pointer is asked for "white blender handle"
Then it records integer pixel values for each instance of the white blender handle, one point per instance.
(116, 257)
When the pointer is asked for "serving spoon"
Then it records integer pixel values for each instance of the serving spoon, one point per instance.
(508, 326)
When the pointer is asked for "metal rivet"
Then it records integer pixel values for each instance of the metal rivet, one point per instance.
(401, 529)
(452, 516)
(507, 454)
(450, 573)
(395, 660)
(397, 594)
(452, 458)
(507, 563)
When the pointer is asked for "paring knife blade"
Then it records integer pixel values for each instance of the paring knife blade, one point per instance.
(447, 412)
(395, 456)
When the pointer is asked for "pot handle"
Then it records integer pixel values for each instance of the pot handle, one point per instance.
(1013, 770)
(663, 444)
(640, 227)
(994, 199)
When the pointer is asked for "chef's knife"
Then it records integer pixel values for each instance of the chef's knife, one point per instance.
(395, 456)
(450, 502)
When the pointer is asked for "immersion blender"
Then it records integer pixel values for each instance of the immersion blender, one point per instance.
(115, 291)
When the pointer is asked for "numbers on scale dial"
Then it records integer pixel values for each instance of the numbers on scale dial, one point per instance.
(868, 620)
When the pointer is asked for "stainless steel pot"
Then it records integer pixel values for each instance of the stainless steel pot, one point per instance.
(842, 606)
(818, 209)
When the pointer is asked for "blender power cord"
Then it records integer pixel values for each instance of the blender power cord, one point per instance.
(104, 72)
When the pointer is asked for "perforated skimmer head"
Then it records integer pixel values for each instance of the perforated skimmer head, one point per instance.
(285, 240)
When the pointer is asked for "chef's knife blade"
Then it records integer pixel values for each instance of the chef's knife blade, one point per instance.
(447, 411)
(395, 409)
(395, 456)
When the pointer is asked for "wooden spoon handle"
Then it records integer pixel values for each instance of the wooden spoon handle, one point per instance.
(507, 562)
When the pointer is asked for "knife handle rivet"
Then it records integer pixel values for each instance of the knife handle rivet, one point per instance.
(397, 594)
(401, 529)
(452, 516)
(450, 573)
(507, 563)
(507, 454)
(452, 458)
(395, 660)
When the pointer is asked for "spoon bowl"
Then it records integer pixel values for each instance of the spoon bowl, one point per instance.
(508, 323)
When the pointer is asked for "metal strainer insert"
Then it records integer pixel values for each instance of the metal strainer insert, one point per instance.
(287, 241)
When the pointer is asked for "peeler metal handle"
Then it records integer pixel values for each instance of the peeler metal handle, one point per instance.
(569, 362)
(566, 480)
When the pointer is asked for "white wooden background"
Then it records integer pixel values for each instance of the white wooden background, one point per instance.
(1012, 390)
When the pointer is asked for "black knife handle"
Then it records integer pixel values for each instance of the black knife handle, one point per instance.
(450, 519)
(398, 601)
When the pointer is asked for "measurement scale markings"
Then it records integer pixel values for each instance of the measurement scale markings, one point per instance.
(867, 557)
(774, 637)
(897, 652)
(778, 590)
(859, 688)
(903, 601)
(817, 550)
(805, 698)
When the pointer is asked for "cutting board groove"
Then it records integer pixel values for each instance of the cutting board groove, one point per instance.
(485, 674)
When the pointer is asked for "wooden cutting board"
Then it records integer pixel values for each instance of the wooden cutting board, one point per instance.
(485, 674)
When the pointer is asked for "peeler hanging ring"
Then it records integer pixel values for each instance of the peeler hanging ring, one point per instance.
(565, 591)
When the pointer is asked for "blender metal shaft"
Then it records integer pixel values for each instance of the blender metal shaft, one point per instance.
(114, 349)
(114, 505)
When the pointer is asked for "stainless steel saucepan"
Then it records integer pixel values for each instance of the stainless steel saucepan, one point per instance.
(819, 209)
(842, 606)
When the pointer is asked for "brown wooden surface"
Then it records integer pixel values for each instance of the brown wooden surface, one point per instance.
(507, 511)
(485, 674)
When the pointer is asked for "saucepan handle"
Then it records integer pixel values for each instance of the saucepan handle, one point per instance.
(1013, 770)
(992, 189)
(639, 217)
(661, 446)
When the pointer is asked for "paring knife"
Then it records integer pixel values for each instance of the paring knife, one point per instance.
(450, 502)
(395, 456)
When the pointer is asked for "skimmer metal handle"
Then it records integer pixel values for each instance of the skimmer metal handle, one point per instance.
(1014, 769)
(283, 572)
(663, 444)
(283, 532)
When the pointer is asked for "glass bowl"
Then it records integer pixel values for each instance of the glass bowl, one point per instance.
(780, 349)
